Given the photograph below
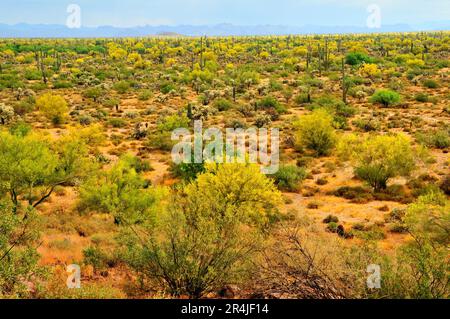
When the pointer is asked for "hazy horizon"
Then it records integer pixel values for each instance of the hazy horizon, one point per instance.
(293, 13)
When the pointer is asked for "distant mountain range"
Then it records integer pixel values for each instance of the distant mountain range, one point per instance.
(24, 30)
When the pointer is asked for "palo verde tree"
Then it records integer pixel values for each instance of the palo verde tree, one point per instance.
(18, 256)
(31, 166)
(208, 234)
(378, 158)
(54, 107)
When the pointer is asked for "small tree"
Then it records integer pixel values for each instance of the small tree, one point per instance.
(54, 107)
(94, 93)
(32, 167)
(209, 233)
(378, 158)
(316, 132)
(289, 177)
(18, 255)
(385, 98)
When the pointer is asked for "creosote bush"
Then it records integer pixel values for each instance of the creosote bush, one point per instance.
(378, 158)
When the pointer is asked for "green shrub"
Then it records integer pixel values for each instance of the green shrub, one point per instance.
(385, 98)
(95, 257)
(223, 105)
(422, 97)
(431, 84)
(62, 85)
(378, 158)
(316, 132)
(122, 87)
(356, 58)
(207, 236)
(117, 122)
(289, 177)
(271, 102)
(145, 95)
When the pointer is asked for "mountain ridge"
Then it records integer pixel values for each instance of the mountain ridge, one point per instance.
(24, 30)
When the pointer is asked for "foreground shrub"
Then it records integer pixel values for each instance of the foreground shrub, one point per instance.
(316, 132)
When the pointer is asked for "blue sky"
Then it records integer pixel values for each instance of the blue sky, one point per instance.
(241, 12)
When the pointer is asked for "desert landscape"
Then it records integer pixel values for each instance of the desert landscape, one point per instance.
(87, 177)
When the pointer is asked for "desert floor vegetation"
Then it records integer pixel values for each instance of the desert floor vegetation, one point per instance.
(87, 177)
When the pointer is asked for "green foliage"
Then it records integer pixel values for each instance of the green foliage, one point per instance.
(54, 107)
(117, 122)
(223, 105)
(187, 171)
(439, 139)
(356, 58)
(20, 129)
(385, 98)
(378, 158)
(18, 256)
(145, 95)
(421, 269)
(93, 93)
(288, 178)
(422, 97)
(31, 167)
(431, 84)
(316, 132)
(122, 87)
(167, 87)
(121, 192)
(173, 122)
(207, 235)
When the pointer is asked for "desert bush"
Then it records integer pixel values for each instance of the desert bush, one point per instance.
(430, 84)
(356, 58)
(18, 256)
(117, 122)
(121, 192)
(223, 105)
(94, 93)
(438, 139)
(6, 113)
(288, 177)
(331, 219)
(315, 132)
(32, 166)
(145, 95)
(20, 129)
(122, 87)
(422, 97)
(54, 107)
(378, 158)
(270, 102)
(198, 243)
